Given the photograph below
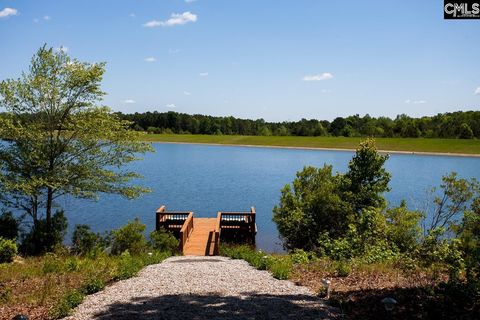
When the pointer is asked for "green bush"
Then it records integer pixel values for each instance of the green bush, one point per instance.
(403, 227)
(163, 241)
(66, 304)
(8, 226)
(127, 266)
(84, 240)
(40, 240)
(71, 264)
(129, 237)
(51, 264)
(93, 285)
(300, 256)
(319, 202)
(8, 250)
(5, 293)
(154, 257)
(281, 268)
(343, 268)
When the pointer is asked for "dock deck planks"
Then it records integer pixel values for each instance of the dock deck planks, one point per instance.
(198, 243)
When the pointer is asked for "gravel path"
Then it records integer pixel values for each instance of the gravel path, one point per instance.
(202, 288)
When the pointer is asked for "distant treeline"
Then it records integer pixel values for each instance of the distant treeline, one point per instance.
(461, 124)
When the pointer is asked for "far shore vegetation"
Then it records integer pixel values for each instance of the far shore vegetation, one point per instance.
(430, 145)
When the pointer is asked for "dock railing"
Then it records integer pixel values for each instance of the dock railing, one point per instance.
(179, 222)
(186, 230)
(232, 218)
(217, 232)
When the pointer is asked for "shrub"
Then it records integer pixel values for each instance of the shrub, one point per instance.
(343, 268)
(8, 250)
(322, 203)
(66, 304)
(163, 241)
(281, 268)
(127, 266)
(93, 285)
(51, 264)
(84, 240)
(40, 240)
(403, 227)
(299, 256)
(129, 237)
(8, 226)
(155, 257)
(312, 207)
(5, 293)
(72, 265)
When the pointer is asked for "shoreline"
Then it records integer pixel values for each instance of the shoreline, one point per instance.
(420, 153)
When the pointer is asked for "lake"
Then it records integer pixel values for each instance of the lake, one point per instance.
(207, 179)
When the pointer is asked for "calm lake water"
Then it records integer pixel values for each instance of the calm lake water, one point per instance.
(207, 179)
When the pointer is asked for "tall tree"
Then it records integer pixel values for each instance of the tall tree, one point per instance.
(58, 140)
(367, 179)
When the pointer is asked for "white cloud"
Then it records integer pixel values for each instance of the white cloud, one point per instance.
(318, 77)
(408, 101)
(203, 74)
(129, 101)
(170, 105)
(62, 49)
(186, 93)
(175, 20)
(190, 1)
(173, 51)
(477, 91)
(150, 59)
(152, 24)
(8, 12)
(132, 15)
(46, 18)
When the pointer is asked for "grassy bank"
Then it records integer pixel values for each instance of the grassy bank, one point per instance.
(49, 286)
(458, 146)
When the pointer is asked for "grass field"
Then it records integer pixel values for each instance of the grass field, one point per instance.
(458, 146)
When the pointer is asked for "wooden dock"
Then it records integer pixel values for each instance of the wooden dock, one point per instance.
(201, 236)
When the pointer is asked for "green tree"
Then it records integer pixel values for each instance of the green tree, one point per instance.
(322, 205)
(129, 237)
(465, 132)
(367, 179)
(314, 206)
(454, 200)
(58, 140)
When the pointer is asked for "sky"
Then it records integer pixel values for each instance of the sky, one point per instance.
(277, 60)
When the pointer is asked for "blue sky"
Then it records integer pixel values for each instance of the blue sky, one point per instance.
(277, 60)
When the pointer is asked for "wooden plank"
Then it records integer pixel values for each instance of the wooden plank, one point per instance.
(198, 241)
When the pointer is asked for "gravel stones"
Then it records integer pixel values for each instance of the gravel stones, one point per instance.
(202, 288)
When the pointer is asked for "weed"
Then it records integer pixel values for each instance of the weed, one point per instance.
(93, 285)
(66, 304)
